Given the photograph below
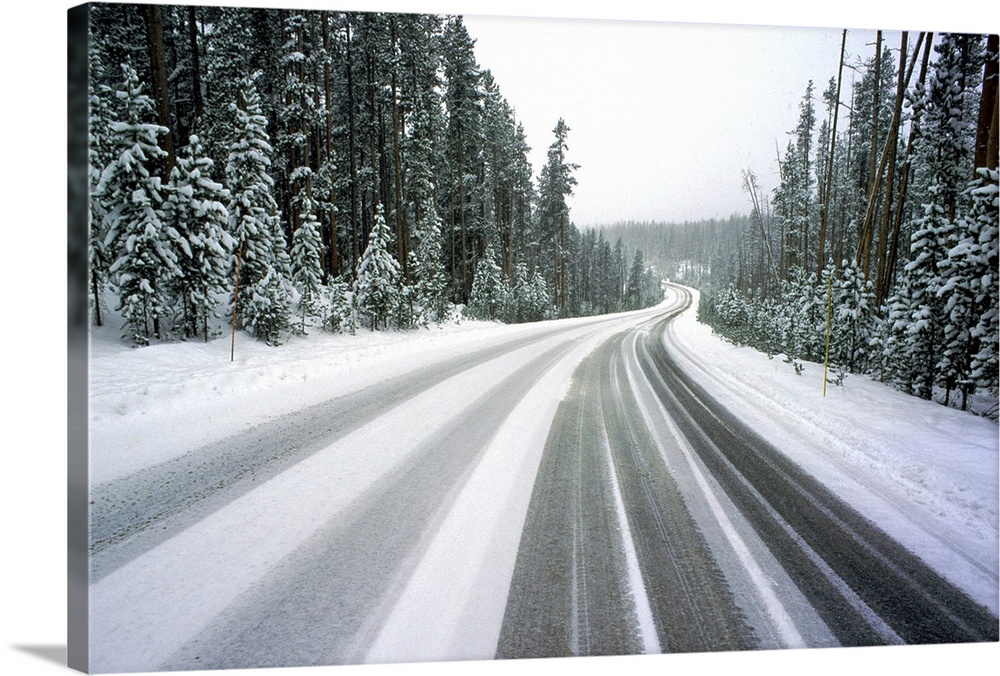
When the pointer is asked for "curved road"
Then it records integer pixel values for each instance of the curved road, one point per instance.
(567, 491)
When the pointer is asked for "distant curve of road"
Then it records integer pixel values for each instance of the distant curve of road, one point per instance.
(656, 522)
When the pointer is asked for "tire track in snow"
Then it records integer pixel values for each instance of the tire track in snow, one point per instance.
(867, 588)
(572, 554)
(133, 514)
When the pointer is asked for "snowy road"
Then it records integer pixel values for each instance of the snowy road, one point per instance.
(564, 489)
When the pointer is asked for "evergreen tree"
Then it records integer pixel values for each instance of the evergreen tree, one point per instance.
(226, 53)
(986, 214)
(489, 289)
(536, 303)
(261, 305)
(556, 183)
(196, 210)
(969, 290)
(144, 261)
(426, 266)
(99, 151)
(307, 271)
(944, 148)
(635, 281)
(853, 320)
(897, 367)
(376, 289)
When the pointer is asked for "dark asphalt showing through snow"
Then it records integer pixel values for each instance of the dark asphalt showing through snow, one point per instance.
(613, 558)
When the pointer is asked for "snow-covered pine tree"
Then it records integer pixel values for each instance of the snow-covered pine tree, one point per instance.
(944, 146)
(423, 153)
(970, 292)
(555, 185)
(464, 142)
(489, 288)
(427, 269)
(537, 304)
(925, 331)
(853, 319)
(635, 279)
(144, 261)
(515, 309)
(262, 302)
(226, 53)
(99, 150)
(796, 329)
(376, 287)
(196, 210)
(307, 272)
(986, 210)
(897, 367)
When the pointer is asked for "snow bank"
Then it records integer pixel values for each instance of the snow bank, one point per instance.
(152, 403)
(925, 473)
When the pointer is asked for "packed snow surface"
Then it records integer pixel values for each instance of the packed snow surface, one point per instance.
(925, 473)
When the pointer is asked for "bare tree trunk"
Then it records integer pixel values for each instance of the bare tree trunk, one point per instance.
(901, 81)
(829, 163)
(199, 104)
(888, 150)
(874, 178)
(893, 247)
(985, 140)
(757, 215)
(154, 42)
(401, 244)
(334, 261)
(352, 149)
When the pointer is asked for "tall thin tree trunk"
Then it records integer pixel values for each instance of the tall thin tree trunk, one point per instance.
(874, 178)
(891, 144)
(985, 141)
(893, 247)
(372, 129)
(401, 247)
(153, 16)
(829, 163)
(352, 148)
(199, 104)
(328, 90)
(461, 215)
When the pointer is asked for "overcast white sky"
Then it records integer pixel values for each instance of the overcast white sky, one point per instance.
(664, 117)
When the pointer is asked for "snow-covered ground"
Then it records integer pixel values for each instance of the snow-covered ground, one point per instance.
(928, 474)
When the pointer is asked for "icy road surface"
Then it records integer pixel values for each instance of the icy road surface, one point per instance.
(572, 487)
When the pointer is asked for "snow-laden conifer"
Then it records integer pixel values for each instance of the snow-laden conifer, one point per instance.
(196, 210)
(944, 146)
(261, 304)
(971, 292)
(376, 288)
(99, 155)
(489, 289)
(853, 319)
(537, 304)
(430, 279)
(306, 269)
(136, 239)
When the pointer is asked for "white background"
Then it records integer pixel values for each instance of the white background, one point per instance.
(34, 346)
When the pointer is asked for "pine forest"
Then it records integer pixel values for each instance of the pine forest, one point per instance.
(276, 171)
(351, 170)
